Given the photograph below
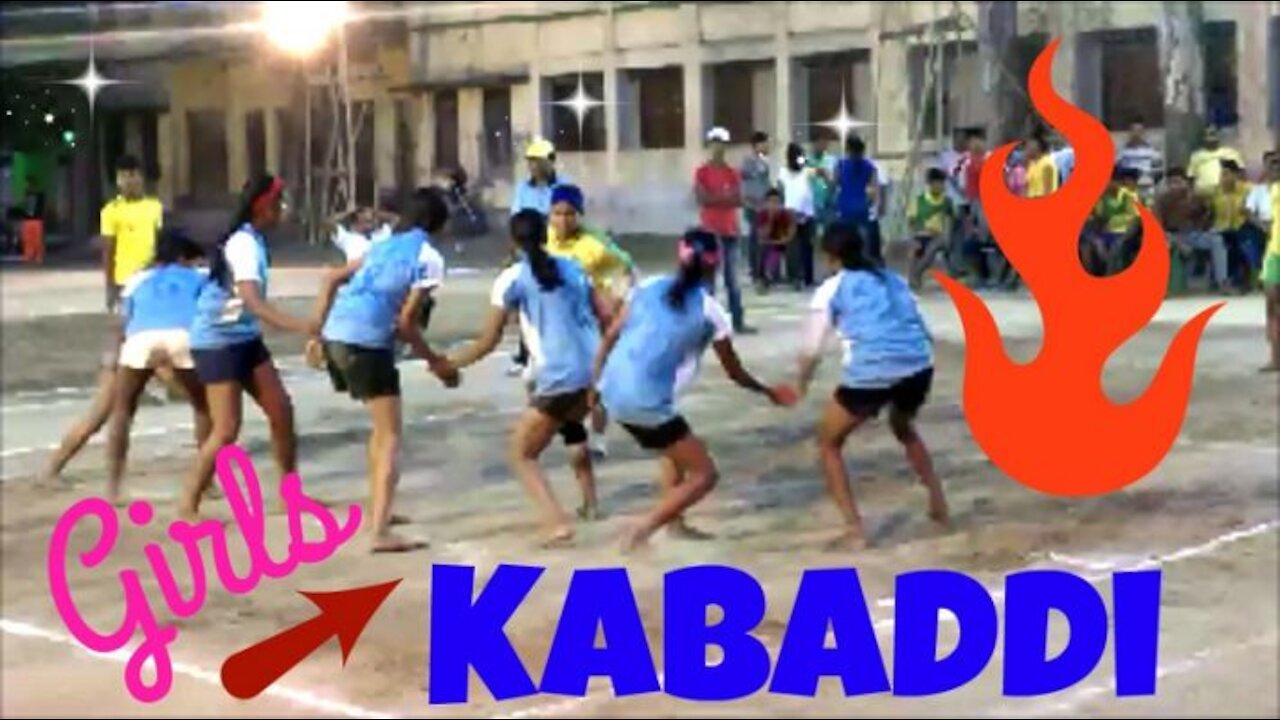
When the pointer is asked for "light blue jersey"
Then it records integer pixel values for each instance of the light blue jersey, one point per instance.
(559, 326)
(365, 309)
(883, 334)
(161, 298)
(530, 196)
(221, 318)
(659, 344)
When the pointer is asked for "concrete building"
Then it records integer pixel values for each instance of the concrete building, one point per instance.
(486, 76)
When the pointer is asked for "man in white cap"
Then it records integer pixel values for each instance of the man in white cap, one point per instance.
(718, 190)
(535, 192)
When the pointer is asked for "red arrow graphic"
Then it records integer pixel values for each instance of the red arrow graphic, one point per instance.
(343, 613)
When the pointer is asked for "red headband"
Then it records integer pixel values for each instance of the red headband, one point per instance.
(269, 196)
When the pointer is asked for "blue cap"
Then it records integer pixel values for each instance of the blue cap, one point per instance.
(567, 194)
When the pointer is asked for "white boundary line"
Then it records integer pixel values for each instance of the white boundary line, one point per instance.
(301, 698)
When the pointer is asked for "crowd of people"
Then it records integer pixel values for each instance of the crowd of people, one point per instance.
(600, 344)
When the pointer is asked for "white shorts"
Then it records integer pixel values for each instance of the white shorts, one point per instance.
(149, 348)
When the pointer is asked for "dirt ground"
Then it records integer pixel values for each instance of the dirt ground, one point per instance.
(1208, 516)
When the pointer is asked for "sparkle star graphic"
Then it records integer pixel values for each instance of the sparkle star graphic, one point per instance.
(580, 103)
(91, 82)
(844, 123)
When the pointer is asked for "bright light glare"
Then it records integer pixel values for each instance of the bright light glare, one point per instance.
(301, 28)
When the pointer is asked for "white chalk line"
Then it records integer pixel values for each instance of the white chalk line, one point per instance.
(100, 439)
(886, 624)
(298, 697)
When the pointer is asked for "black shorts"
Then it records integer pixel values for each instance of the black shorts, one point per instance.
(906, 396)
(231, 363)
(569, 409)
(362, 372)
(660, 437)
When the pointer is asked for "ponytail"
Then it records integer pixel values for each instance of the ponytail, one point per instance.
(529, 231)
(251, 197)
(845, 241)
(699, 252)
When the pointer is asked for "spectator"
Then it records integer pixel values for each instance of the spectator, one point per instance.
(1138, 155)
(1186, 218)
(1064, 158)
(756, 184)
(858, 181)
(1205, 166)
(1114, 224)
(534, 193)
(718, 190)
(1257, 207)
(1042, 172)
(931, 220)
(1015, 171)
(797, 196)
(1228, 203)
(777, 228)
(822, 173)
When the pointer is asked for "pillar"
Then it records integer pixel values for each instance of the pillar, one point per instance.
(237, 149)
(695, 122)
(167, 151)
(271, 129)
(893, 105)
(384, 144)
(1252, 51)
(612, 136)
(425, 148)
(470, 128)
(133, 135)
(782, 73)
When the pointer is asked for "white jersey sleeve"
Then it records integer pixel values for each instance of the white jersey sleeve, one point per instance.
(430, 268)
(244, 256)
(721, 329)
(502, 294)
(820, 322)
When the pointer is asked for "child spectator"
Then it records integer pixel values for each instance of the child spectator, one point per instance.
(1115, 222)
(777, 227)
(931, 219)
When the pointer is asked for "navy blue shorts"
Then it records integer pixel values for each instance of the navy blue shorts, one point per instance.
(659, 437)
(230, 363)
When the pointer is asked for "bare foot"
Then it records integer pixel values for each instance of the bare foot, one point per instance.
(190, 516)
(851, 539)
(54, 482)
(635, 540)
(399, 520)
(684, 531)
(560, 537)
(392, 543)
(213, 492)
(589, 513)
(117, 498)
(938, 511)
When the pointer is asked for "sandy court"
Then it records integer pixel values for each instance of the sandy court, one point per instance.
(1208, 517)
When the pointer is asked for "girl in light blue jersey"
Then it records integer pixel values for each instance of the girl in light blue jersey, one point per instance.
(664, 326)
(226, 340)
(157, 306)
(378, 299)
(888, 360)
(560, 316)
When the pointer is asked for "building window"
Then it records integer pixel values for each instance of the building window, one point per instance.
(564, 129)
(734, 100)
(446, 139)
(496, 147)
(833, 78)
(207, 150)
(957, 83)
(255, 142)
(1131, 81)
(660, 93)
(1219, 47)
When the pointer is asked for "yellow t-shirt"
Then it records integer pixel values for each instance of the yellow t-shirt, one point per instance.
(1036, 186)
(1205, 167)
(1228, 207)
(1273, 246)
(133, 224)
(600, 263)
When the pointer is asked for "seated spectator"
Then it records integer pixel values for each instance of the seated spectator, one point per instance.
(1138, 154)
(1186, 218)
(1229, 219)
(777, 228)
(1114, 225)
(931, 219)
(1257, 206)
(1205, 166)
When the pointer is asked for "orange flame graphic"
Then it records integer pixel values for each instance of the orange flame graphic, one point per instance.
(1048, 423)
